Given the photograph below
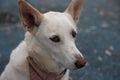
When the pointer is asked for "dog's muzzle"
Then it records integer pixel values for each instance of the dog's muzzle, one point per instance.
(80, 62)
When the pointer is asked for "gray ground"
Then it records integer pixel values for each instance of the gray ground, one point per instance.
(98, 37)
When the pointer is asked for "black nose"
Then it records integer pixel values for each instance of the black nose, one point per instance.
(80, 62)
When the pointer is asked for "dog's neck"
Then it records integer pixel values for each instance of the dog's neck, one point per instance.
(41, 57)
(36, 73)
(46, 62)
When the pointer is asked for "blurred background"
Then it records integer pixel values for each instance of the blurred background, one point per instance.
(98, 35)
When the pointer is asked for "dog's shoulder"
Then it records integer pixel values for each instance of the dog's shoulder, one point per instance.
(18, 56)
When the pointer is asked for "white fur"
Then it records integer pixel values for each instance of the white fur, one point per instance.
(53, 57)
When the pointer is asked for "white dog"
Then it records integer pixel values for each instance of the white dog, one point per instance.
(48, 51)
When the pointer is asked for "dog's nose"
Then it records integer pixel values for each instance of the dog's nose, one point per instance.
(80, 62)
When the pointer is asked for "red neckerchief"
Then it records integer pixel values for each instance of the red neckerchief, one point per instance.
(36, 73)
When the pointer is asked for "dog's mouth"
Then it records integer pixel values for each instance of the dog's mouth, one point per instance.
(75, 66)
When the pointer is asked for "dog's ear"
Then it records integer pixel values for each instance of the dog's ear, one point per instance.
(30, 16)
(75, 9)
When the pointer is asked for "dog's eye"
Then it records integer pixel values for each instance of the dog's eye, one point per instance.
(55, 38)
(73, 34)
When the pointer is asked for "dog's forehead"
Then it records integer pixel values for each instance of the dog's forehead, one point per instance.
(59, 21)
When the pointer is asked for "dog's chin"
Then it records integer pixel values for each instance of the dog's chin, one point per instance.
(72, 68)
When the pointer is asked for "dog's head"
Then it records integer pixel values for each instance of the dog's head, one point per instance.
(55, 32)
